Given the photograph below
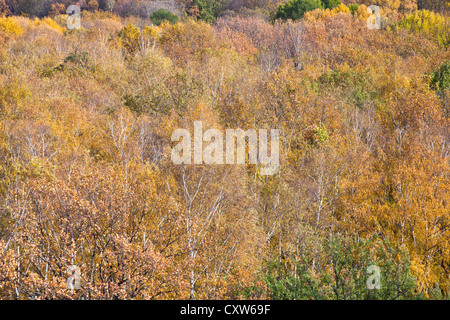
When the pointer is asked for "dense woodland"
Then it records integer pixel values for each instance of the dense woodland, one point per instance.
(86, 178)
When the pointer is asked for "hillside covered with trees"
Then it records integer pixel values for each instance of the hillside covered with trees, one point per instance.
(86, 177)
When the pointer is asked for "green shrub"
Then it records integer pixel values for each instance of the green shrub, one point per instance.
(208, 10)
(295, 9)
(353, 8)
(341, 272)
(440, 79)
(161, 15)
(330, 4)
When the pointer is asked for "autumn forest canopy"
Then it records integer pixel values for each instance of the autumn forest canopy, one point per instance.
(87, 180)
